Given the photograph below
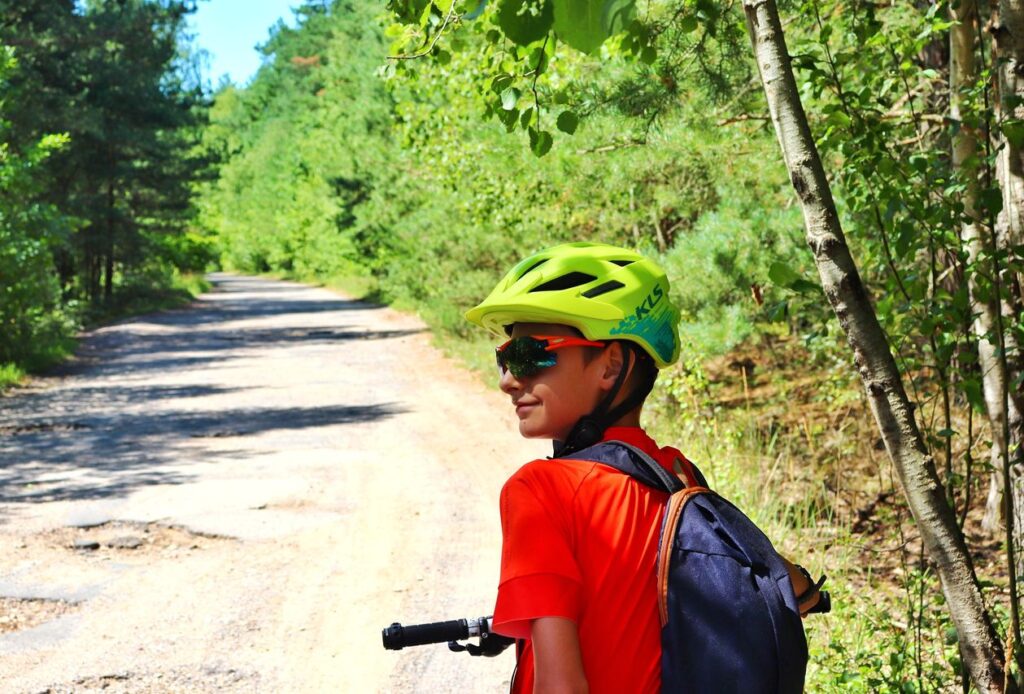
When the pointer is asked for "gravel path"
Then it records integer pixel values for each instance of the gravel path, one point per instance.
(238, 496)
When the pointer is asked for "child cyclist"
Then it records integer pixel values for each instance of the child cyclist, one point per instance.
(588, 326)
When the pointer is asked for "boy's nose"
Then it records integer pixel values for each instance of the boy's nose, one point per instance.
(509, 383)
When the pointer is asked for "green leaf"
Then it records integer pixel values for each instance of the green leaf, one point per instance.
(1013, 129)
(783, 275)
(975, 396)
(839, 119)
(945, 433)
(778, 311)
(410, 11)
(585, 24)
(538, 59)
(501, 83)
(525, 21)
(567, 122)
(688, 24)
(804, 286)
(509, 118)
(648, 55)
(990, 199)
(481, 5)
(509, 97)
(527, 117)
(905, 234)
(540, 141)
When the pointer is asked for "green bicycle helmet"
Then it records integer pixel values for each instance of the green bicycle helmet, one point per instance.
(605, 292)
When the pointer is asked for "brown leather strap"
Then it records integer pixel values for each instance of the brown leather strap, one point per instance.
(684, 471)
(673, 512)
(802, 587)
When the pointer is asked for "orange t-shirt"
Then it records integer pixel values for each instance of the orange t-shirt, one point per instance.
(580, 540)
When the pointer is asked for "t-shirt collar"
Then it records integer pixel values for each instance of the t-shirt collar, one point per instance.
(635, 436)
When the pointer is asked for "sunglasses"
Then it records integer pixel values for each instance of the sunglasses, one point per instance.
(527, 355)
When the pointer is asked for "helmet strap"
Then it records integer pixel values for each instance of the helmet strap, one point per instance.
(589, 429)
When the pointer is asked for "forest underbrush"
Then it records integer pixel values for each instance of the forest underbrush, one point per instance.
(172, 290)
(786, 433)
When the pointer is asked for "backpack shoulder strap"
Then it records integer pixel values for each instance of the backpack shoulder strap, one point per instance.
(632, 461)
(684, 467)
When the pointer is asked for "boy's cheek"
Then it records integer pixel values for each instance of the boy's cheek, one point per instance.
(535, 424)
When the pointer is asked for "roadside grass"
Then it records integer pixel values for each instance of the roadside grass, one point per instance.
(359, 287)
(11, 375)
(180, 289)
(787, 435)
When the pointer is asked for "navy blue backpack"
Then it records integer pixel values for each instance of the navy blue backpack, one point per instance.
(730, 619)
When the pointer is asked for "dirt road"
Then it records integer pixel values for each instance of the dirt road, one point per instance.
(238, 496)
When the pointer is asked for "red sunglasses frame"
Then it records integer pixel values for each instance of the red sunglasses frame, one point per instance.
(556, 342)
(553, 342)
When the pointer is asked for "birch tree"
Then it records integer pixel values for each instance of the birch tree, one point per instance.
(998, 302)
(846, 293)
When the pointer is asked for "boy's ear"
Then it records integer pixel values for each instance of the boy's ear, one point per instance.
(613, 363)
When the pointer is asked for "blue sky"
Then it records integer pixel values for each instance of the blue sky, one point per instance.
(230, 29)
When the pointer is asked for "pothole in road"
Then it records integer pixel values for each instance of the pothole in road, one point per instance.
(126, 537)
(164, 682)
(35, 427)
(24, 613)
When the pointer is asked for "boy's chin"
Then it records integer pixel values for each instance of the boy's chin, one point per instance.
(531, 431)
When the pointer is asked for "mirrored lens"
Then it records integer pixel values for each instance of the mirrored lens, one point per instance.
(525, 356)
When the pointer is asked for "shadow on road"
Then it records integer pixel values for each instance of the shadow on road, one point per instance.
(103, 432)
(102, 455)
(204, 333)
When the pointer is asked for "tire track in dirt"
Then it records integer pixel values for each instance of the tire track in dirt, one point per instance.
(348, 472)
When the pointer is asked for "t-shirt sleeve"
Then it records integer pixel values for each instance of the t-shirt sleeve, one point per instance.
(540, 576)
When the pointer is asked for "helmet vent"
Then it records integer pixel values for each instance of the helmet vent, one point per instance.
(603, 288)
(566, 281)
(532, 267)
(623, 263)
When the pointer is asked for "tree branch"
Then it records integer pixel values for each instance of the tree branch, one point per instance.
(428, 49)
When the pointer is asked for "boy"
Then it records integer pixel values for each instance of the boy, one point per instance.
(589, 327)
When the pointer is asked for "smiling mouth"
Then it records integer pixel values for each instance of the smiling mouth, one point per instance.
(522, 408)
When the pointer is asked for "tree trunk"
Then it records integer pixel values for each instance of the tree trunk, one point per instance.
(983, 655)
(108, 250)
(1002, 401)
(1008, 31)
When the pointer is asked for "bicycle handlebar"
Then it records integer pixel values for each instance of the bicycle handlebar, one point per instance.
(396, 637)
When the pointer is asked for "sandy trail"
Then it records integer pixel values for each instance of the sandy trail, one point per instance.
(272, 475)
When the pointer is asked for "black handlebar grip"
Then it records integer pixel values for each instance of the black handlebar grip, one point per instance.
(397, 637)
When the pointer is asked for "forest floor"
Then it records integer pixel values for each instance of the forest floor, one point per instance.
(239, 495)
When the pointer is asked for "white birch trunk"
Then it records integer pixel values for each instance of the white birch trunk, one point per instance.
(1005, 407)
(983, 656)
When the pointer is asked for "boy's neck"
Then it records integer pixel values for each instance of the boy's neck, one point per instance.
(630, 419)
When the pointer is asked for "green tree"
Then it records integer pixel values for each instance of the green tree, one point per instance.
(31, 310)
(111, 205)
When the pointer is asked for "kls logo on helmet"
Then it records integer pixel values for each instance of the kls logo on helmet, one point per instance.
(647, 305)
